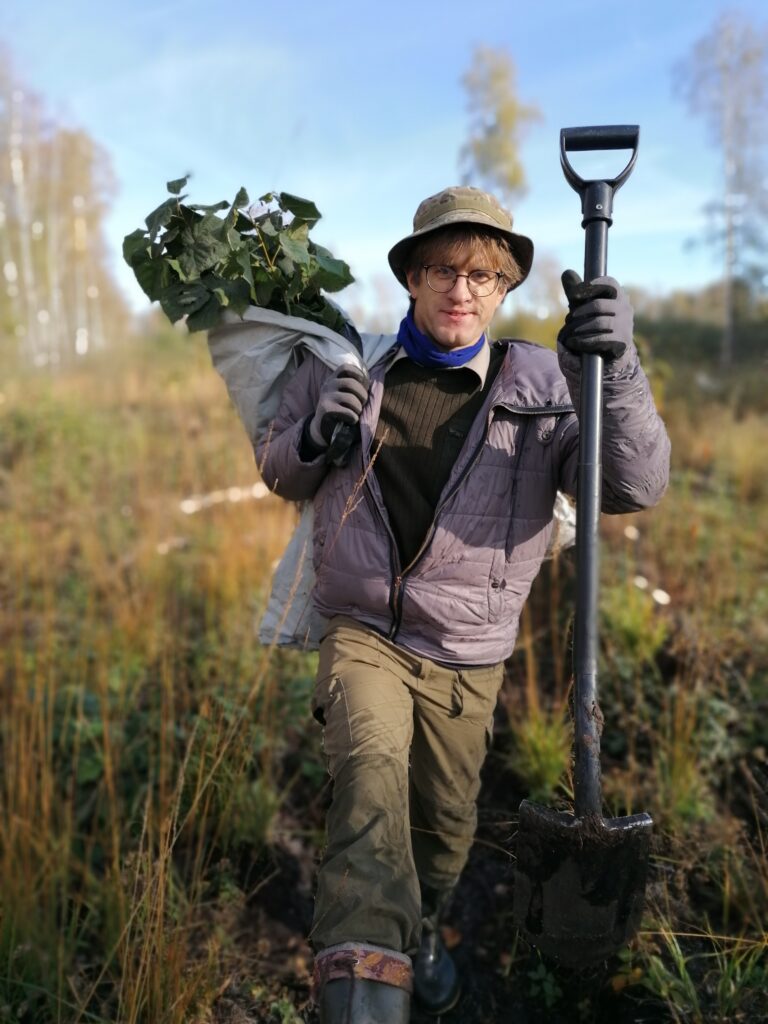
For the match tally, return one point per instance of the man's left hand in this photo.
(600, 318)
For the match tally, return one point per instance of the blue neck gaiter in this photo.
(422, 350)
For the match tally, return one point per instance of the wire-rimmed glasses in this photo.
(480, 282)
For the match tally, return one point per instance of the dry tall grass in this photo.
(133, 684)
(143, 728)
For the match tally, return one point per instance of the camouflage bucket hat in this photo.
(462, 204)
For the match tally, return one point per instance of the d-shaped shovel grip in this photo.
(613, 136)
(597, 195)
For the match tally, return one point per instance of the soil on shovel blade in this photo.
(503, 979)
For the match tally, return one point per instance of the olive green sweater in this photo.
(425, 417)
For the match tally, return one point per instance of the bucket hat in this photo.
(462, 204)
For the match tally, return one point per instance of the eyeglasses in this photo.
(479, 282)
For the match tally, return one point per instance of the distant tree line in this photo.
(688, 326)
(57, 296)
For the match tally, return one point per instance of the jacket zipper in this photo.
(394, 558)
(399, 582)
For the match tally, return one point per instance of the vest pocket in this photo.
(545, 429)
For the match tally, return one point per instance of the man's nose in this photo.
(460, 288)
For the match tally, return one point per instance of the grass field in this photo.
(162, 794)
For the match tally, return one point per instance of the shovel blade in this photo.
(580, 882)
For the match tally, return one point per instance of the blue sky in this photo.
(360, 108)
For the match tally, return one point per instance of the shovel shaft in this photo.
(596, 224)
(587, 722)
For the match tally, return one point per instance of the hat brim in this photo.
(520, 246)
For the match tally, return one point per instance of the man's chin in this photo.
(452, 341)
(450, 336)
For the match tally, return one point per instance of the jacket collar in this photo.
(478, 364)
(530, 380)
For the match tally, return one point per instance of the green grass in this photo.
(141, 731)
(149, 742)
(684, 693)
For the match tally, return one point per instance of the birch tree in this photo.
(498, 121)
(724, 80)
(56, 287)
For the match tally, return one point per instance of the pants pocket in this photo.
(475, 692)
(328, 702)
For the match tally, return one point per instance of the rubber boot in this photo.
(360, 1001)
(436, 982)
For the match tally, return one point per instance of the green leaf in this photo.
(294, 249)
(235, 294)
(177, 184)
(331, 317)
(267, 226)
(183, 298)
(176, 268)
(154, 276)
(208, 316)
(135, 245)
(241, 199)
(242, 259)
(241, 301)
(298, 230)
(161, 216)
(211, 208)
(261, 274)
(188, 266)
(164, 244)
(243, 222)
(262, 293)
(201, 248)
(187, 217)
(288, 270)
(305, 209)
(235, 219)
(331, 274)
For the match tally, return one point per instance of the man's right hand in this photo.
(342, 398)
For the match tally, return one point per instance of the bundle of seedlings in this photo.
(198, 264)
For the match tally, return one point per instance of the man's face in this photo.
(456, 318)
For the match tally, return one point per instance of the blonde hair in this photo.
(451, 245)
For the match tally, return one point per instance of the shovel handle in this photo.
(595, 139)
(597, 195)
(597, 216)
(609, 136)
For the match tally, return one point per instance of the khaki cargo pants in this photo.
(404, 739)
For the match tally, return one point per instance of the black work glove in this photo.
(341, 400)
(600, 318)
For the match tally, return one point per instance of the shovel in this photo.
(580, 878)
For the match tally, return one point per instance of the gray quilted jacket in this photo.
(459, 602)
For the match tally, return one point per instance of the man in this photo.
(425, 547)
